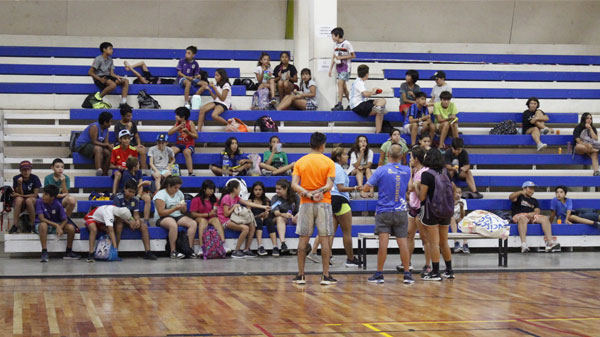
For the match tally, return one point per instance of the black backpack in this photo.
(6, 197)
(73, 141)
(146, 101)
(265, 124)
(87, 102)
(386, 127)
(247, 82)
(182, 245)
(507, 127)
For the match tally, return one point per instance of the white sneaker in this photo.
(227, 249)
(524, 248)
(541, 146)
(188, 105)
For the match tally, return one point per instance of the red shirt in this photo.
(184, 138)
(119, 155)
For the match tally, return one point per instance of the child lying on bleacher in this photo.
(562, 210)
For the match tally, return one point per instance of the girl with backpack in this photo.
(221, 94)
(231, 205)
(203, 209)
(437, 197)
(361, 160)
(417, 168)
(257, 196)
(303, 99)
(285, 206)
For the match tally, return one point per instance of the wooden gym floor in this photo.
(473, 304)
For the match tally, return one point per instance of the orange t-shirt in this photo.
(313, 170)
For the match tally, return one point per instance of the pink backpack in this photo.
(212, 247)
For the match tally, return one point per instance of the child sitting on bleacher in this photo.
(203, 209)
(418, 120)
(221, 94)
(562, 209)
(186, 137)
(425, 142)
(395, 138)
(460, 206)
(445, 117)
(237, 161)
(585, 139)
(408, 91)
(285, 205)
(257, 196)
(264, 73)
(128, 199)
(93, 143)
(533, 122)
(343, 52)
(188, 74)
(459, 168)
(285, 77)
(134, 174)
(103, 73)
(361, 160)
(52, 219)
(275, 161)
(103, 219)
(25, 186)
(161, 158)
(63, 182)
(118, 159)
(127, 124)
(360, 102)
(303, 99)
(439, 87)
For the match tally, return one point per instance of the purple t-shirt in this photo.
(188, 68)
(53, 212)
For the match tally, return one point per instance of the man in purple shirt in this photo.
(51, 218)
(188, 74)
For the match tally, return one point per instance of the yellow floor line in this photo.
(375, 329)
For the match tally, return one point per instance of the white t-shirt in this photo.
(105, 215)
(354, 157)
(343, 49)
(170, 201)
(306, 90)
(259, 70)
(356, 97)
(437, 90)
(219, 90)
(160, 158)
(457, 208)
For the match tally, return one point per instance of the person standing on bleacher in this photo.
(103, 73)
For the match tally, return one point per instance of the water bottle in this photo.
(226, 164)
(455, 164)
(569, 147)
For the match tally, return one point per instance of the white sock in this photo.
(123, 100)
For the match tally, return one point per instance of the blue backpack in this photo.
(441, 205)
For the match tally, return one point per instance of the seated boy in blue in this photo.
(25, 187)
(418, 120)
(128, 199)
(133, 173)
(51, 218)
(562, 209)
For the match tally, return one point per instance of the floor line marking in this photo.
(377, 330)
(17, 314)
(563, 319)
(263, 330)
(551, 328)
(51, 314)
(91, 309)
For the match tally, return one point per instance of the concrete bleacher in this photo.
(39, 126)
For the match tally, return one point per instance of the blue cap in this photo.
(528, 184)
(161, 137)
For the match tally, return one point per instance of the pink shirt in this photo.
(413, 198)
(229, 201)
(201, 206)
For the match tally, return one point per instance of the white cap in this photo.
(122, 212)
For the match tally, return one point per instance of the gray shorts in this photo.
(86, 150)
(311, 214)
(394, 223)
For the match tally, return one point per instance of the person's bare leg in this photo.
(522, 225)
(443, 133)
(404, 253)
(546, 227)
(43, 230)
(189, 164)
(124, 87)
(345, 221)
(285, 103)
(202, 114)
(283, 169)
(382, 251)
(325, 254)
(535, 134)
(434, 241)
(410, 237)
(578, 219)
(216, 114)
(116, 179)
(444, 247)
(18, 206)
(186, 90)
(110, 86)
(105, 160)
(468, 177)
(424, 241)
(414, 132)
(250, 236)
(302, 244)
(454, 128)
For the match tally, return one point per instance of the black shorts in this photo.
(165, 217)
(268, 222)
(364, 109)
(225, 108)
(429, 220)
(337, 202)
(102, 85)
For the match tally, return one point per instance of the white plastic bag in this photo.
(486, 224)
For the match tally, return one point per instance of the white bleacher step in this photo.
(388, 84)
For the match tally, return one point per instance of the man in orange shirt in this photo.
(313, 179)
(119, 156)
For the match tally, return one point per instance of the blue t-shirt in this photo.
(392, 180)
(127, 176)
(560, 208)
(234, 160)
(340, 178)
(54, 211)
(28, 185)
(415, 113)
(85, 138)
(133, 204)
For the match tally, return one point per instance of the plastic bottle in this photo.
(226, 164)
(559, 150)
(455, 164)
(559, 221)
(569, 147)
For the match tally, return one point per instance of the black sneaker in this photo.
(408, 278)
(352, 263)
(177, 255)
(45, 257)
(327, 280)
(71, 256)
(249, 253)
(400, 268)
(275, 251)
(150, 256)
(299, 279)
(432, 277)
(262, 251)
(13, 229)
(449, 274)
(238, 254)
(90, 258)
(338, 107)
(376, 278)
(284, 248)
(348, 108)
(426, 270)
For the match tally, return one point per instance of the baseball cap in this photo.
(161, 137)
(25, 165)
(528, 184)
(438, 74)
(124, 133)
(122, 212)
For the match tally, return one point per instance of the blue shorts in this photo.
(195, 82)
(182, 147)
(344, 76)
(36, 228)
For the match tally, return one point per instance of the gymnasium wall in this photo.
(430, 21)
